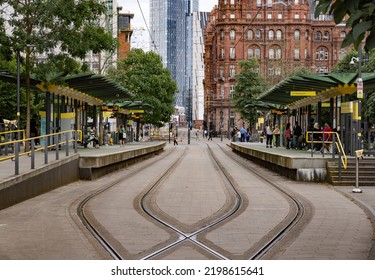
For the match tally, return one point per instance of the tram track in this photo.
(183, 236)
(296, 215)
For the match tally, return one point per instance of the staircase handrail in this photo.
(337, 143)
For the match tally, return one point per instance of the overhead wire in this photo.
(148, 29)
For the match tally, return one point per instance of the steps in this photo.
(366, 172)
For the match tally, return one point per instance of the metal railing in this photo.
(12, 149)
(328, 141)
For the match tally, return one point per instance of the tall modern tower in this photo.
(171, 24)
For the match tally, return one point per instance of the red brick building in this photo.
(125, 32)
(281, 36)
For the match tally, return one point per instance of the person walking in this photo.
(210, 135)
(175, 142)
(297, 132)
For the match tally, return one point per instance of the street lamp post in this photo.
(221, 117)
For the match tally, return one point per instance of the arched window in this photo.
(278, 53)
(258, 34)
(250, 53)
(257, 52)
(326, 36)
(232, 34)
(271, 53)
(296, 34)
(250, 34)
(271, 34)
(321, 54)
(279, 34)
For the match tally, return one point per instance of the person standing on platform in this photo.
(269, 135)
(288, 135)
(297, 132)
(243, 134)
(276, 132)
(121, 135)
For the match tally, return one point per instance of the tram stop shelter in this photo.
(306, 95)
(73, 95)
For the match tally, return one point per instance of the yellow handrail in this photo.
(40, 137)
(338, 143)
(13, 131)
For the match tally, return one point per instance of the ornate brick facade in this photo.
(282, 38)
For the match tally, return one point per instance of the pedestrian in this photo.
(121, 135)
(327, 137)
(297, 132)
(276, 132)
(269, 135)
(243, 134)
(175, 142)
(288, 135)
(197, 135)
(210, 135)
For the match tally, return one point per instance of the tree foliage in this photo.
(144, 75)
(249, 85)
(360, 18)
(72, 26)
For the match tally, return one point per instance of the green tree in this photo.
(144, 75)
(41, 26)
(249, 85)
(360, 18)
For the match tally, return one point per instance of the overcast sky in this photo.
(140, 37)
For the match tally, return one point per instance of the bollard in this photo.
(359, 154)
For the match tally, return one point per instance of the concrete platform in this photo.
(87, 164)
(298, 165)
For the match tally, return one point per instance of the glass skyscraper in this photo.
(171, 25)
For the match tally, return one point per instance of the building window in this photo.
(259, 3)
(271, 34)
(232, 71)
(269, 16)
(271, 71)
(280, 16)
(342, 34)
(342, 54)
(232, 53)
(318, 36)
(296, 16)
(326, 36)
(221, 72)
(296, 34)
(307, 35)
(258, 34)
(306, 53)
(296, 53)
(222, 35)
(257, 52)
(279, 35)
(296, 2)
(232, 2)
(278, 71)
(250, 34)
(223, 53)
(250, 53)
(321, 54)
(232, 16)
(321, 69)
(232, 34)
(278, 53)
(271, 53)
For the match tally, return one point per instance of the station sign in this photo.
(347, 107)
(279, 111)
(303, 93)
